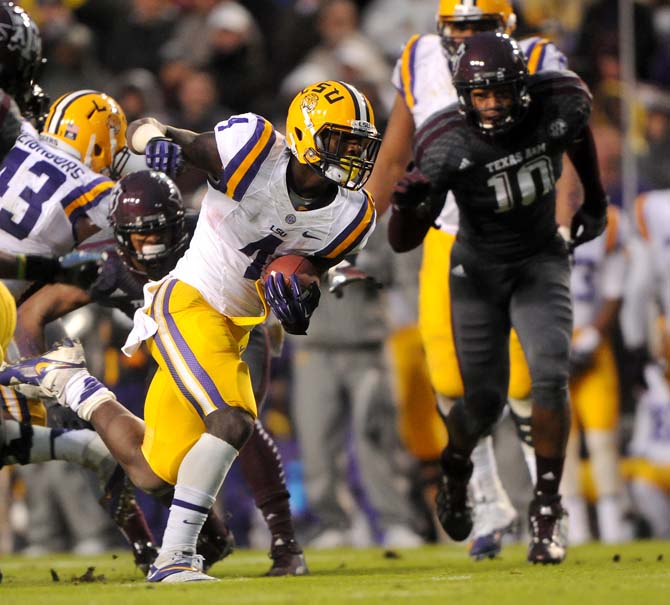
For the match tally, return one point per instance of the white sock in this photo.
(82, 446)
(578, 519)
(486, 484)
(612, 525)
(84, 393)
(529, 456)
(199, 480)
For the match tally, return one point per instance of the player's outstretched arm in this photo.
(412, 213)
(394, 156)
(166, 147)
(46, 305)
(590, 220)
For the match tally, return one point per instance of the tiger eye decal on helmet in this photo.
(331, 127)
(91, 126)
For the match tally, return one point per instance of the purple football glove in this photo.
(164, 155)
(291, 303)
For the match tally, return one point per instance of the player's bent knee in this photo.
(483, 408)
(233, 425)
(551, 396)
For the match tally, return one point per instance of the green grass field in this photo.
(636, 573)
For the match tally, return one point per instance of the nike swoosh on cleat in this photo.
(308, 235)
(189, 522)
(40, 366)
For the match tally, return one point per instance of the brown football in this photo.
(293, 263)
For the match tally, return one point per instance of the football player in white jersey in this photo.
(597, 284)
(646, 300)
(649, 448)
(267, 196)
(423, 84)
(55, 185)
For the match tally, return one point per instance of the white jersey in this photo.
(651, 434)
(421, 76)
(649, 283)
(599, 270)
(247, 219)
(43, 191)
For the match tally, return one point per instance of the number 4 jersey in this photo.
(505, 185)
(247, 219)
(43, 191)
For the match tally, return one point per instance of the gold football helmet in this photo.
(331, 127)
(479, 15)
(91, 126)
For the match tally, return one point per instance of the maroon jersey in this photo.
(504, 185)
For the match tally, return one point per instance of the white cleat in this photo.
(176, 566)
(46, 375)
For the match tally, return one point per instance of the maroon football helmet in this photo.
(20, 56)
(148, 202)
(488, 60)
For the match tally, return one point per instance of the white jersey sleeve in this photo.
(244, 142)
(651, 433)
(616, 261)
(600, 268)
(542, 55)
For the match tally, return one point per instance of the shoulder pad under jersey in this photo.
(243, 142)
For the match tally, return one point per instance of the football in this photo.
(293, 263)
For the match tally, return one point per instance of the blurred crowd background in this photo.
(192, 63)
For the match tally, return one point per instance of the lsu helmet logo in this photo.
(309, 102)
(114, 123)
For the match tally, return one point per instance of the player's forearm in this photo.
(584, 157)
(200, 150)
(607, 316)
(47, 304)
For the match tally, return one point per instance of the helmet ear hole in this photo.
(97, 150)
(298, 133)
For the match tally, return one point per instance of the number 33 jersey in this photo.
(247, 219)
(504, 185)
(43, 191)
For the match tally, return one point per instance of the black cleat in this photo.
(452, 503)
(287, 558)
(548, 530)
(215, 542)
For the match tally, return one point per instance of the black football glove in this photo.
(80, 268)
(411, 190)
(586, 226)
(291, 303)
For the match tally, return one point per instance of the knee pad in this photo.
(551, 396)
(521, 411)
